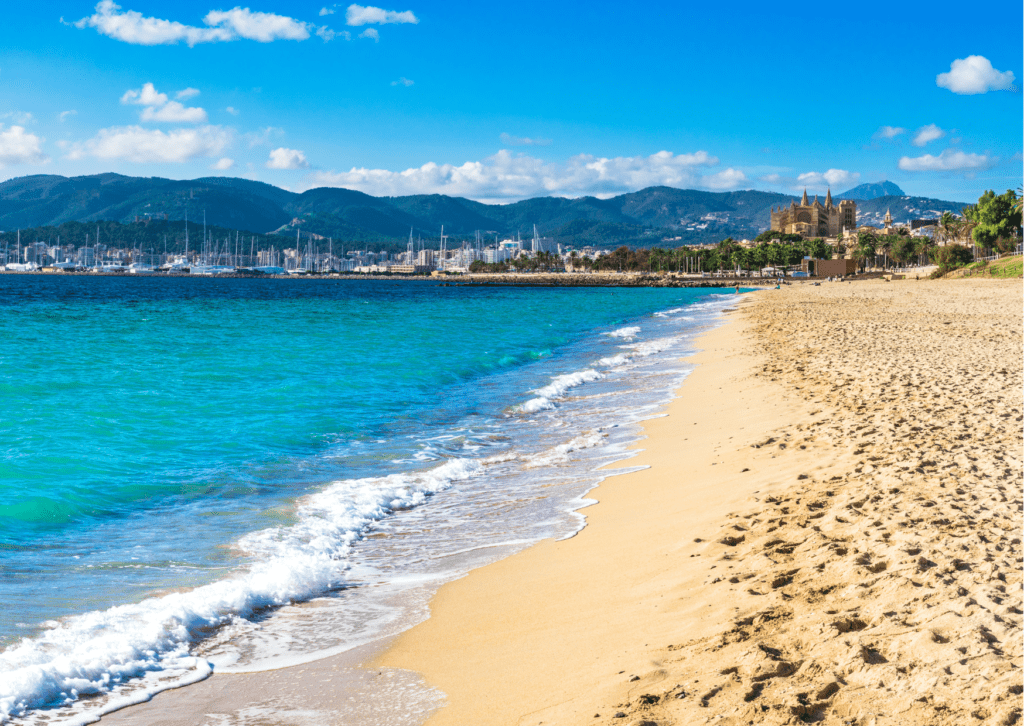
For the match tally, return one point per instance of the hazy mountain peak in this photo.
(872, 191)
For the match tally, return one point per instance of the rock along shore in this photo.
(551, 279)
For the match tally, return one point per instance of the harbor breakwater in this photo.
(544, 279)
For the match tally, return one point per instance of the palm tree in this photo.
(944, 231)
(903, 248)
(965, 228)
(925, 244)
(885, 247)
(867, 243)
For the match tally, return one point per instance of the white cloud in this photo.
(263, 136)
(926, 134)
(726, 179)
(159, 108)
(222, 26)
(326, 11)
(21, 118)
(232, 110)
(831, 178)
(262, 27)
(146, 96)
(360, 15)
(974, 74)
(327, 34)
(174, 112)
(133, 27)
(889, 132)
(370, 33)
(186, 93)
(511, 140)
(837, 178)
(506, 177)
(65, 115)
(222, 164)
(283, 158)
(18, 146)
(403, 81)
(948, 160)
(139, 145)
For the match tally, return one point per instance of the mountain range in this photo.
(645, 217)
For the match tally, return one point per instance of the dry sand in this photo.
(829, 531)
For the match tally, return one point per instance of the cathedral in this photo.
(814, 219)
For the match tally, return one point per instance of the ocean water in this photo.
(232, 475)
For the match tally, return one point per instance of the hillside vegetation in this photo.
(1006, 267)
(648, 217)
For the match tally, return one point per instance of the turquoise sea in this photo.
(183, 459)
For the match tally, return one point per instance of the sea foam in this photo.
(560, 454)
(630, 332)
(557, 388)
(97, 651)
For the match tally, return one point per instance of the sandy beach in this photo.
(829, 531)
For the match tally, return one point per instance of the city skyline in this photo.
(499, 106)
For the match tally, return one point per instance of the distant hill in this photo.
(656, 215)
(872, 191)
(50, 200)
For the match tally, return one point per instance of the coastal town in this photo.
(812, 238)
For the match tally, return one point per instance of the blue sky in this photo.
(502, 102)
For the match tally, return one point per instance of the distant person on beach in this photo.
(737, 289)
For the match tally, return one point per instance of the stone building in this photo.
(814, 219)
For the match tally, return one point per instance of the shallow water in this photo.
(237, 474)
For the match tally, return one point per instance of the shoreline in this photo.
(755, 572)
(768, 580)
(538, 606)
(230, 692)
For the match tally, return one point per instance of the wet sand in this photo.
(829, 531)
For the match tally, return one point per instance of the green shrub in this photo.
(1006, 245)
(951, 256)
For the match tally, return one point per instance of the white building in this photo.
(493, 256)
(86, 256)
